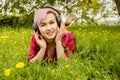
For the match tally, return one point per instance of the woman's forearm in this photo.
(60, 50)
(39, 56)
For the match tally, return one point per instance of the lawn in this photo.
(97, 55)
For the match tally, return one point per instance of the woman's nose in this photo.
(49, 27)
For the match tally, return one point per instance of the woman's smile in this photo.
(50, 33)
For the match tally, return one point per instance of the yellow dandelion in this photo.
(83, 35)
(7, 72)
(20, 65)
(79, 29)
(13, 31)
(67, 66)
(4, 37)
(53, 71)
(24, 32)
(91, 33)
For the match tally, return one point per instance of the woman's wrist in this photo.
(58, 42)
(43, 48)
(60, 50)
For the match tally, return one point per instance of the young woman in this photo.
(51, 41)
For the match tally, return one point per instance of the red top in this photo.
(68, 42)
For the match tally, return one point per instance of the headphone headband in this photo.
(53, 9)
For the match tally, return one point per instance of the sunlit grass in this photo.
(96, 57)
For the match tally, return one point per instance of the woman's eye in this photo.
(42, 25)
(52, 22)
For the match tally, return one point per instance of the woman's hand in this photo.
(59, 47)
(40, 40)
(60, 32)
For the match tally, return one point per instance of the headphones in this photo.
(58, 19)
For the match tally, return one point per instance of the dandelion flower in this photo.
(79, 29)
(4, 37)
(53, 71)
(24, 32)
(67, 66)
(20, 65)
(7, 72)
(83, 35)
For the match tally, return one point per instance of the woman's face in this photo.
(48, 27)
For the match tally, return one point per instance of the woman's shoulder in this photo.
(67, 34)
(33, 42)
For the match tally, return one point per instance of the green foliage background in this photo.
(26, 8)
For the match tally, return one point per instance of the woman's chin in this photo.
(50, 37)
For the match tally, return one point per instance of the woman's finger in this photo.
(41, 37)
(36, 35)
(62, 27)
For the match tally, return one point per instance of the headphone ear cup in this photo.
(36, 28)
(58, 19)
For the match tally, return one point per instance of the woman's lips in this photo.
(49, 33)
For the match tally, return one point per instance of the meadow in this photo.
(97, 55)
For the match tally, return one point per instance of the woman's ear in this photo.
(36, 29)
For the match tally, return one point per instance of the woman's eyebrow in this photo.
(52, 20)
(43, 22)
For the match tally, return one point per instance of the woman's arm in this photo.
(42, 44)
(65, 43)
(58, 40)
(39, 56)
(60, 50)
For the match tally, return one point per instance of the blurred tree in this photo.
(28, 6)
(118, 5)
(83, 8)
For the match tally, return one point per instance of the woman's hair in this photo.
(42, 12)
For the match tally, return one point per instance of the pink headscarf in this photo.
(41, 13)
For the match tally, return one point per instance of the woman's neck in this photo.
(50, 42)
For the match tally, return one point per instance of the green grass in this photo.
(96, 57)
